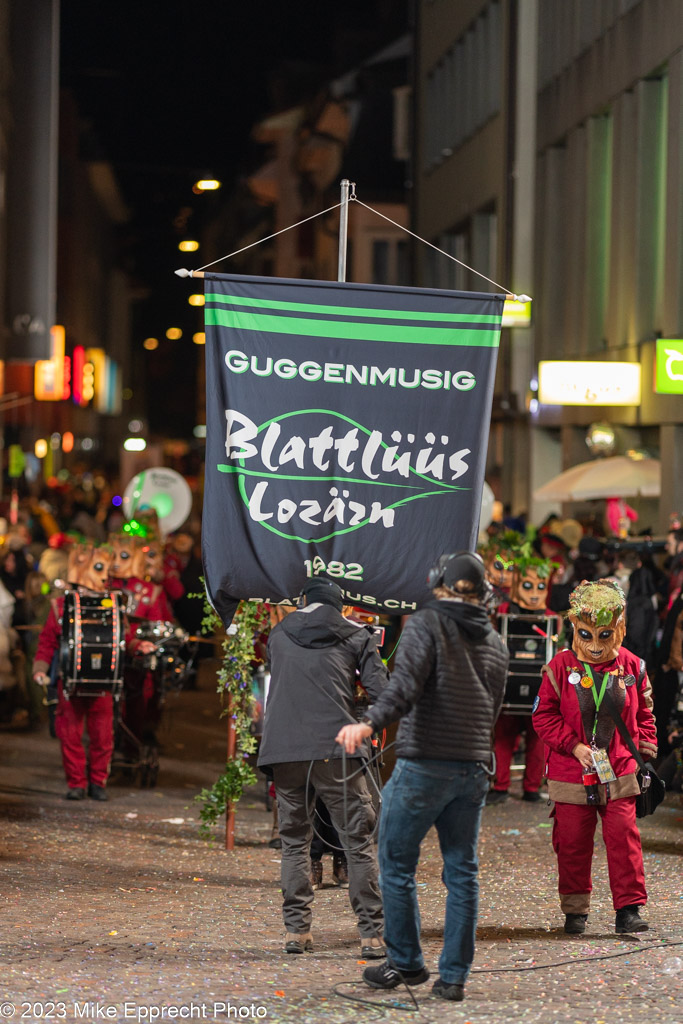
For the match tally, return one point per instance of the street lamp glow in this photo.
(196, 300)
(188, 246)
(206, 185)
(135, 444)
(150, 344)
(173, 333)
(40, 448)
(199, 338)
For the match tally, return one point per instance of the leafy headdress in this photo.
(599, 602)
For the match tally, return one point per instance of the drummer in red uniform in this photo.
(145, 599)
(530, 582)
(85, 777)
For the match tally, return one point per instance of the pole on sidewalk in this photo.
(230, 808)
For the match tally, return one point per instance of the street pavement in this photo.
(119, 911)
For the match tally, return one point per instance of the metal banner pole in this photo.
(343, 229)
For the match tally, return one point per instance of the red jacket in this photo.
(563, 710)
(48, 641)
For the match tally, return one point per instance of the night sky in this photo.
(169, 92)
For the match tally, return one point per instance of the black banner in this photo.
(347, 428)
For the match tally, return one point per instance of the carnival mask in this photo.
(79, 556)
(153, 566)
(598, 644)
(94, 574)
(597, 613)
(529, 590)
(127, 557)
(500, 570)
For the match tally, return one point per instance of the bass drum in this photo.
(93, 644)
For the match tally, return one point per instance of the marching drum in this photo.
(172, 659)
(531, 641)
(92, 644)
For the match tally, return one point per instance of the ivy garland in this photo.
(235, 688)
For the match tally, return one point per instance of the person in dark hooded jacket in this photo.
(447, 688)
(315, 657)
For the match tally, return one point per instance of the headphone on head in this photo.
(435, 577)
(310, 584)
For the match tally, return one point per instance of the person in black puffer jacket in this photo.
(447, 689)
(315, 655)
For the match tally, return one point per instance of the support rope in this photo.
(268, 237)
(353, 198)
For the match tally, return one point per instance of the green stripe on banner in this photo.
(351, 331)
(382, 314)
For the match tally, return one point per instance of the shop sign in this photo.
(574, 382)
(669, 366)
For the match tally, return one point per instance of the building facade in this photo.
(549, 157)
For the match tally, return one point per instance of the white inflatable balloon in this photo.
(163, 490)
(486, 515)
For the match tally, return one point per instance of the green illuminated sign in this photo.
(669, 366)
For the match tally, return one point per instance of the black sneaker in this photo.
(497, 796)
(75, 794)
(386, 976)
(575, 924)
(629, 921)
(298, 943)
(532, 796)
(455, 992)
(97, 792)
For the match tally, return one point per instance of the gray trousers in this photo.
(354, 825)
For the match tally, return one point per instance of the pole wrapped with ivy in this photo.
(235, 687)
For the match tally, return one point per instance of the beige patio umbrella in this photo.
(616, 477)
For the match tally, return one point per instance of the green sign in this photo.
(17, 461)
(669, 366)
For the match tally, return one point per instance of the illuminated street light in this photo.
(173, 333)
(196, 300)
(188, 246)
(150, 344)
(199, 338)
(40, 448)
(206, 185)
(135, 444)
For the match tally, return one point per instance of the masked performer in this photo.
(528, 597)
(145, 599)
(591, 773)
(94, 710)
(499, 563)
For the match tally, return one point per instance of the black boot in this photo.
(575, 924)
(628, 920)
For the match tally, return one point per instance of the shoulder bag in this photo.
(652, 788)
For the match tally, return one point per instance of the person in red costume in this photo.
(584, 748)
(618, 514)
(94, 711)
(145, 599)
(529, 593)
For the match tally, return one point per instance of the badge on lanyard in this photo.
(574, 677)
(603, 768)
(586, 682)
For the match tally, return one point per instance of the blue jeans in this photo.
(419, 794)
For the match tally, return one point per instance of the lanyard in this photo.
(597, 697)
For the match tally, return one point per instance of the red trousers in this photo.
(573, 835)
(70, 717)
(508, 728)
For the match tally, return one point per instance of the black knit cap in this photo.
(323, 591)
(464, 566)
